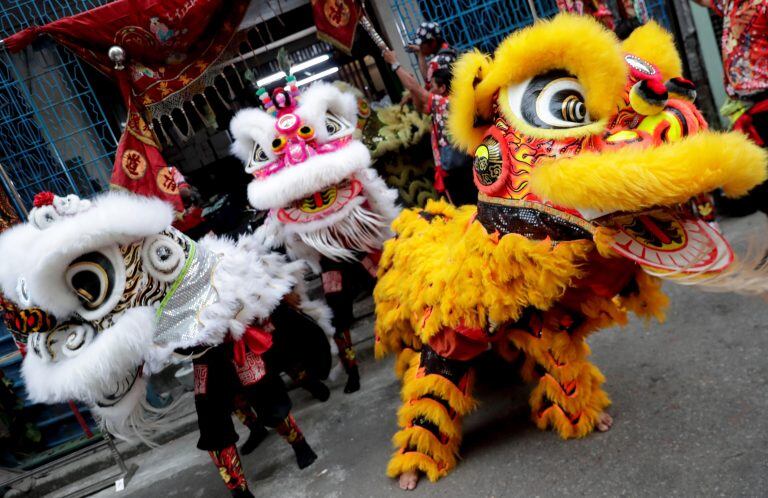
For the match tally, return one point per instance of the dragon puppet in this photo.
(325, 202)
(105, 291)
(586, 153)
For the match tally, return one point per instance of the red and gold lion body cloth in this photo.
(586, 163)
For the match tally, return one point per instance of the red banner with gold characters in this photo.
(168, 46)
(8, 215)
(336, 21)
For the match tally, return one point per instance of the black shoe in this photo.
(353, 381)
(241, 493)
(318, 390)
(254, 440)
(304, 454)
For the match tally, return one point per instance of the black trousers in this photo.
(342, 282)
(218, 379)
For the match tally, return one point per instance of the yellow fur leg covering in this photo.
(405, 361)
(568, 396)
(430, 421)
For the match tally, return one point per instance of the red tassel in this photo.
(256, 339)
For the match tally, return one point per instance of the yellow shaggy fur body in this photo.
(449, 272)
(445, 270)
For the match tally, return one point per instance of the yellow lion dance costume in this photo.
(586, 151)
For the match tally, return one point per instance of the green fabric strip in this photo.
(177, 282)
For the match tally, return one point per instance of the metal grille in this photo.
(483, 24)
(469, 23)
(55, 134)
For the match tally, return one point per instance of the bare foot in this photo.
(409, 480)
(604, 422)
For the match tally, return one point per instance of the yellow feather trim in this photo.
(438, 386)
(405, 462)
(650, 301)
(451, 272)
(423, 441)
(634, 178)
(467, 71)
(404, 362)
(433, 411)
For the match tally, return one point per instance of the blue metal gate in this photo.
(54, 132)
(53, 136)
(483, 24)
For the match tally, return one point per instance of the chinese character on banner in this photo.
(336, 21)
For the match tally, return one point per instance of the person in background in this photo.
(453, 168)
(744, 47)
(432, 51)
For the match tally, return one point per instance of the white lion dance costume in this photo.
(326, 204)
(128, 291)
(586, 151)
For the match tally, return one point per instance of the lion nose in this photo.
(297, 151)
(648, 97)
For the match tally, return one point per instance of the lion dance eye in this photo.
(332, 125)
(306, 132)
(279, 144)
(259, 156)
(552, 100)
(92, 278)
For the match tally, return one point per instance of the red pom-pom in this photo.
(44, 199)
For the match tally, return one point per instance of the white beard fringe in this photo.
(360, 230)
(748, 274)
(134, 419)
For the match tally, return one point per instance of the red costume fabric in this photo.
(168, 45)
(744, 45)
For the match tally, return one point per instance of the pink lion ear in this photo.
(43, 199)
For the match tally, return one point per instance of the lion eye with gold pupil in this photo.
(278, 144)
(332, 125)
(92, 278)
(306, 132)
(259, 156)
(551, 100)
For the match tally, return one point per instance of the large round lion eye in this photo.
(336, 127)
(92, 278)
(551, 100)
(163, 257)
(259, 156)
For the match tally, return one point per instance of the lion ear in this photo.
(656, 45)
(465, 111)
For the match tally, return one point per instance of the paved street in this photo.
(690, 402)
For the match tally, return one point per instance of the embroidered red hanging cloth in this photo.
(168, 45)
(336, 21)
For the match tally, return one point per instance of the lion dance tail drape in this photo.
(169, 45)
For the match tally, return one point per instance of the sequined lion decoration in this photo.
(585, 157)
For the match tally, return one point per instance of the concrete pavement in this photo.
(690, 399)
